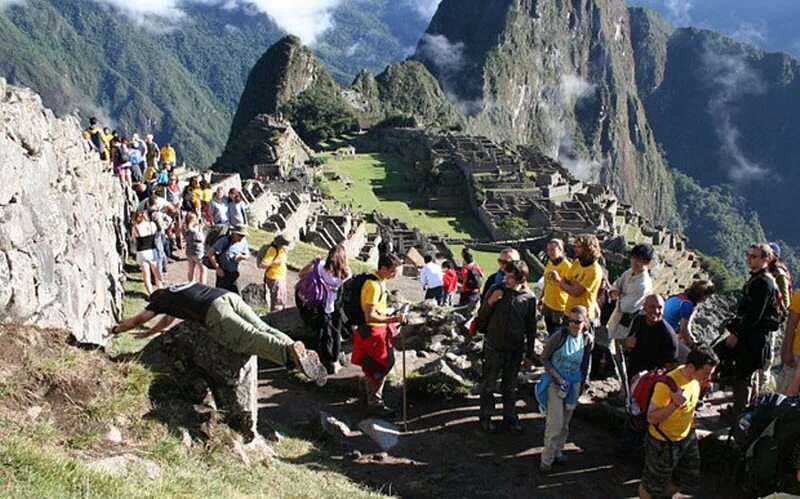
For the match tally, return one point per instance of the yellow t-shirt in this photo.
(277, 269)
(150, 174)
(553, 296)
(206, 195)
(168, 154)
(794, 306)
(590, 278)
(678, 425)
(374, 293)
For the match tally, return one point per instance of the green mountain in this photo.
(183, 82)
(724, 112)
(556, 75)
(288, 79)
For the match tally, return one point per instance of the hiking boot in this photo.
(560, 459)
(381, 411)
(488, 426)
(545, 469)
(307, 361)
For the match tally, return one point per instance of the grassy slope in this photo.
(379, 183)
(47, 457)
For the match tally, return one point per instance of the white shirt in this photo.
(633, 289)
(431, 275)
(333, 283)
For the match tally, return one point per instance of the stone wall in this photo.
(62, 225)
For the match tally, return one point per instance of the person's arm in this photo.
(573, 289)
(547, 354)
(530, 330)
(423, 277)
(373, 316)
(586, 362)
(663, 405)
(670, 360)
(137, 320)
(214, 256)
(758, 294)
(157, 327)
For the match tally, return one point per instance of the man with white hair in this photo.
(507, 255)
(153, 154)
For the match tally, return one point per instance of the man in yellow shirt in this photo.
(554, 298)
(790, 351)
(672, 455)
(274, 263)
(584, 277)
(373, 341)
(168, 155)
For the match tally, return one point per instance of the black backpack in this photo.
(474, 279)
(348, 300)
(764, 437)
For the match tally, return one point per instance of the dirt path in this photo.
(443, 454)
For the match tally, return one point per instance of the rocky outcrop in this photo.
(61, 223)
(267, 147)
(556, 75)
(231, 377)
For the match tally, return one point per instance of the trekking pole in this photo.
(403, 310)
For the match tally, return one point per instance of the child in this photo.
(449, 282)
(195, 248)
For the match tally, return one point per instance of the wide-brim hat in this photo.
(280, 241)
(240, 229)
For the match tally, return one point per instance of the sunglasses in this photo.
(573, 321)
(500, 260)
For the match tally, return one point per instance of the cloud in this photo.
(753, 33)
(424, 8)
(731, 79)
(352, 49)
(575, 88)
(8, 3)
(447, 57)
(679, 11)
(307, 19)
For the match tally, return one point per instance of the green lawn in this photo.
(380, 183)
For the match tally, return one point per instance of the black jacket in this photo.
(757, 312)
(510, 325)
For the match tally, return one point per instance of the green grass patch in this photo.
(380, 183)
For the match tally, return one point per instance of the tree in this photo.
(514, 227)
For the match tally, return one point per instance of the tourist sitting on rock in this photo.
(144, 233)
(373, 341)
(582, 282)
(219, 207)
(507, 255)
(508, 316)
(237, 209)
(672, 454)
(679, 310)
(195, 249)
(566, 358)
(554, 298)
(652, 342)
(470, 275)
(629, 291)
(431, 276)
(449, 282)
(274, 265)
(229, 320)
(225, 256)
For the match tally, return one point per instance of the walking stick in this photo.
(403, 309)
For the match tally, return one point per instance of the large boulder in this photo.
(62, 231)
(232, 377)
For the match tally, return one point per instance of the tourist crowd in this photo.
(648, 337)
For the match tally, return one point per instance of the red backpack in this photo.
(642, 387)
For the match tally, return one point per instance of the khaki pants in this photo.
(234, 324)
(276, 293)
(556, 427)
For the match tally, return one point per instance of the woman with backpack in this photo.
(144, 233)
(274, 265)
(331, 273)
(566, 359)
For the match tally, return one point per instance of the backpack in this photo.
(763, 439)
(311, 289)
(215, 233)
(642, 387)
(474, 279)
(262, 252)
(349, 298)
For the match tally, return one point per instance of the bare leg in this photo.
(156, 274)
(190, 272)
(148, 287)
(201, 270)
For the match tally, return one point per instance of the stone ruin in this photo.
(409, 243)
